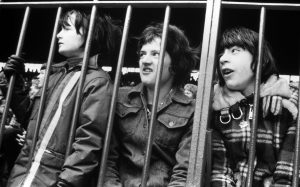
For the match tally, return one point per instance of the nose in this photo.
(58, 36)
(224, 57)
(146, 59)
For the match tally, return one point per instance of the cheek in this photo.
(168, 64)
(79, 41)
(82, 42)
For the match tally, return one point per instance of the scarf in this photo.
(276, 94)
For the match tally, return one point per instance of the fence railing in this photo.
(200, 152)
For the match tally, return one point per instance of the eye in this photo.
(65, 27)
(235, 50)
(141, 54)
(155, 53)
(220, 54)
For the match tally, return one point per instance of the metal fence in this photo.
(199, 162)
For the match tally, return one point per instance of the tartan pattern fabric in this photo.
(274, 146)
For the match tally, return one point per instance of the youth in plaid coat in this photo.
(233, 110)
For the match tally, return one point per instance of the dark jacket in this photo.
(81, 165)
(171, 146)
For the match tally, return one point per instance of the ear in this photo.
(171, 70)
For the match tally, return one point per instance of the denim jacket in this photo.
(171, 146)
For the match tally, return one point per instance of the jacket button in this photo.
(171, 123)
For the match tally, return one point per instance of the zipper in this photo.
(250, 115)
(247, 117)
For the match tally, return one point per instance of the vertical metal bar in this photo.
(297, 145)
(256, 99)
(114, 97)
(13, 77)
(196, 171)
(81, 80)
(45, 84)
(156, 96)
(208, 158)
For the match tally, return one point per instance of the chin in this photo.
(61, 52)
(149, 85)
(232, 87)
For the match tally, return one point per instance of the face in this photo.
(235, 67)
(41, 78)
(69, 41)
(148, 62)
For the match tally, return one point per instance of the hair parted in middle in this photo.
(106, 35)
(248, 40)
(183, 57)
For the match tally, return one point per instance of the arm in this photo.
(112, 177)
(81, 166)
(222, 175)
(283, 174)
(284, 167)
(180, 169)
(20, 102)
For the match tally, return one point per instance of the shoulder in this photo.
(182, 105)
(181, 98)
(97, 76)
(124, 92)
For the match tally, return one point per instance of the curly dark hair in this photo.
(183, 57)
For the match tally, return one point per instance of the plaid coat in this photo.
(274, 145)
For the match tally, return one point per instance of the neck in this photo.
(164, 90)
(249, 90)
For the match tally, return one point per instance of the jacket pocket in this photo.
(53, 159)
(129, 118)
(50, 168)
(170, 129)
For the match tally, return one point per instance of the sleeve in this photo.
(82, 165)
(222, 174)
(20, 102)
(283, 173)
(284, 168)
(112, 176)
(179, 173)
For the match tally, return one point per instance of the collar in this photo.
(274, 86)
(72, 63)
(177, 94)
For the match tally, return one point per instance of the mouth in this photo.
(147, 70)
(226, 72)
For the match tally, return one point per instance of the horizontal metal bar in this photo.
(106, 4)
(154, 4)
(151, 4)
(254, 5)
